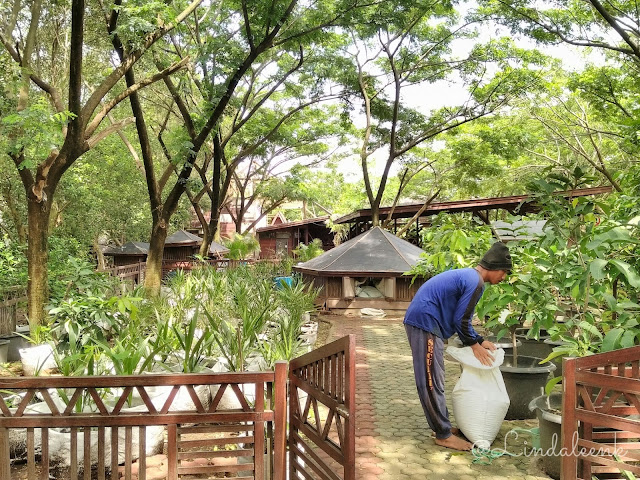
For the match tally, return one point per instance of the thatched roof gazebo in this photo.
(365, 272)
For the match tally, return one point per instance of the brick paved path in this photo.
(393, 440)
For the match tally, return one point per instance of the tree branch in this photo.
(133, 88)
(114, 127)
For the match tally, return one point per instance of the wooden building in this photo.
(180, 250)
(281, 239)
(128, 254)
(365, 272)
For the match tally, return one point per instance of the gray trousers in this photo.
(427, 350)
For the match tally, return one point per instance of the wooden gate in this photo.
(322, 413)
(601, 407)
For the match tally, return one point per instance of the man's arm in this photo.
(464, 312)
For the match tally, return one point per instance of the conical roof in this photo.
(129, 248)
(376, 251)
(182, 237)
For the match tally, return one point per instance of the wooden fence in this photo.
(133, 273)
(9, 310)
(601, 416)
(216, 424)
(221, 424)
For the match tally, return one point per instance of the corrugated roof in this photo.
(523, 203)
(518, 229)
(129, 248)
(299, 223)
(376, 251)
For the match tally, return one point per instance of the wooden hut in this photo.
(281, 239)
(181, 248)
(365, 272)
(179, 252)
(128, 254)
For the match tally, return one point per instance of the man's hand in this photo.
(482, 352)
(489, 345)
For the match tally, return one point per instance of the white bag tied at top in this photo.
(480, 399)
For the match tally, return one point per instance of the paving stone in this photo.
(390, 421)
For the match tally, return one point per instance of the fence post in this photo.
(280, 421)
(569, 461)
(5, 455)
(349, 449)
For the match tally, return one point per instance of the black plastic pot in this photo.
(532, 347)
(524, 383)
(504, 343)
(548, 409)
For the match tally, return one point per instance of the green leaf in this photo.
(629, 338)
(552, 383)
(556, 353)
(611, 339)
(592, 329)
(597, 269)
(628, 271)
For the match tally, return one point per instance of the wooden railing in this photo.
(238, 420)
(128, 273)
(600, 415)
(322, 413)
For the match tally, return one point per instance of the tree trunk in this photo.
(99, 256)
(206, 242)
(210, 231)
(153, 274)
(37, 257)
(375, 214)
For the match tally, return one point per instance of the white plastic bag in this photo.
(480, 399)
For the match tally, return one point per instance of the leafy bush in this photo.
(451, 242)
(579, 280)
(242, 247)
(305, 253)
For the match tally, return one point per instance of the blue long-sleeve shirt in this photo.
(444, 305)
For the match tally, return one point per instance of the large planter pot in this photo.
(524, 383)
(16, 342)
(548, 410)
(532, 347)
(37, 359)
(4, 350)
(504, 343)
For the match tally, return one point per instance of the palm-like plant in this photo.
(242, 246)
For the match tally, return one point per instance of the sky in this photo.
(439, 94)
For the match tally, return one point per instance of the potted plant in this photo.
(595, 265)
(523, 300)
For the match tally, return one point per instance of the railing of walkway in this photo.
(322, 413)
(601, 415)
(216, 424)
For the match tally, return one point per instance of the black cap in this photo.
(497, 258)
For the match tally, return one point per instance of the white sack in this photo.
(480, 399)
